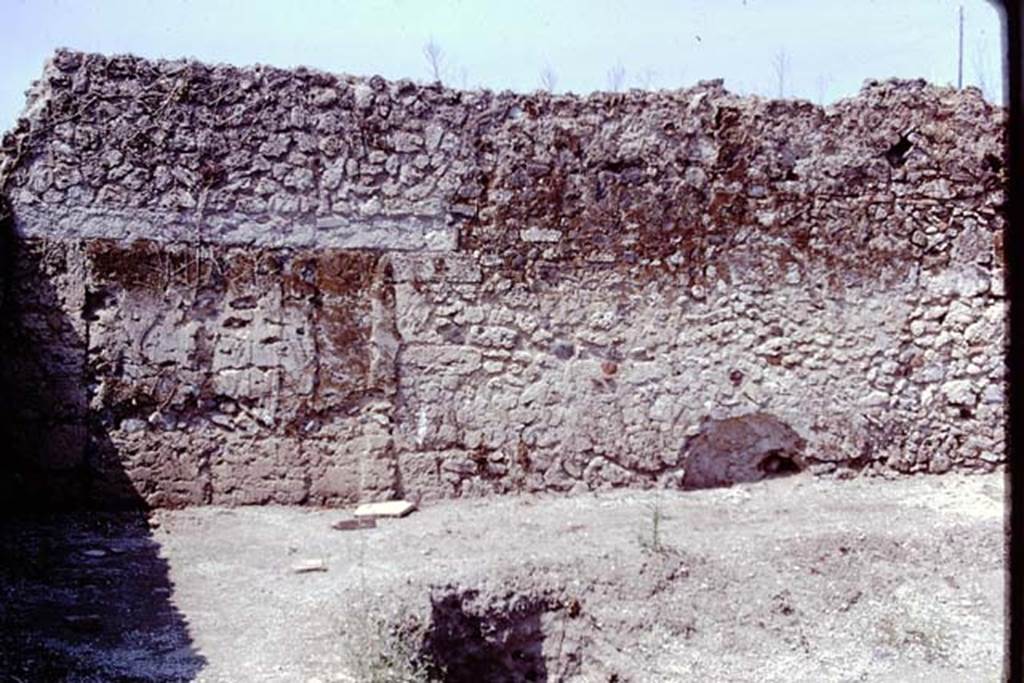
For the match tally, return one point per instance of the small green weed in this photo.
(389, 651)
(903, 631)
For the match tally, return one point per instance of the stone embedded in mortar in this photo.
(960, 392)
(540, 235)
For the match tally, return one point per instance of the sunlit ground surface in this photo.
(783, 580)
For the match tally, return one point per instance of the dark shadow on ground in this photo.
(84, 595)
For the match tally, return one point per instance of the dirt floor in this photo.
(795, 579)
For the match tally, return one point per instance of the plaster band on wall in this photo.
(379, 233)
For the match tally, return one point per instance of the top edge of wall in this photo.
(123, 66)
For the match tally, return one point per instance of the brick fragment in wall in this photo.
(354, 291)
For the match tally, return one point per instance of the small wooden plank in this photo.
(391, 508)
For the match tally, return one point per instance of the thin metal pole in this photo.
(960, 53)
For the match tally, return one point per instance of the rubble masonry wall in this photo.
(250, 285)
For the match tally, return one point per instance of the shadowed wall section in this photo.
(82, 596)
(189, 375)
(296, 287)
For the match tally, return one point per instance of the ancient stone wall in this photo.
(253, 285)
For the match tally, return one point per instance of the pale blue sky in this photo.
(831, 46)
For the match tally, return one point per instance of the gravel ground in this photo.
(794, 579)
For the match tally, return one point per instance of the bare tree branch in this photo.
(980, 68)
(821, 84)
(645, 80)
(435, 59)
(780, 64)
(616, 77)
(548, 79)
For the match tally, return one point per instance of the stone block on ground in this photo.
(390, 508)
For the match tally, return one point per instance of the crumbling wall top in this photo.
(125, 147)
